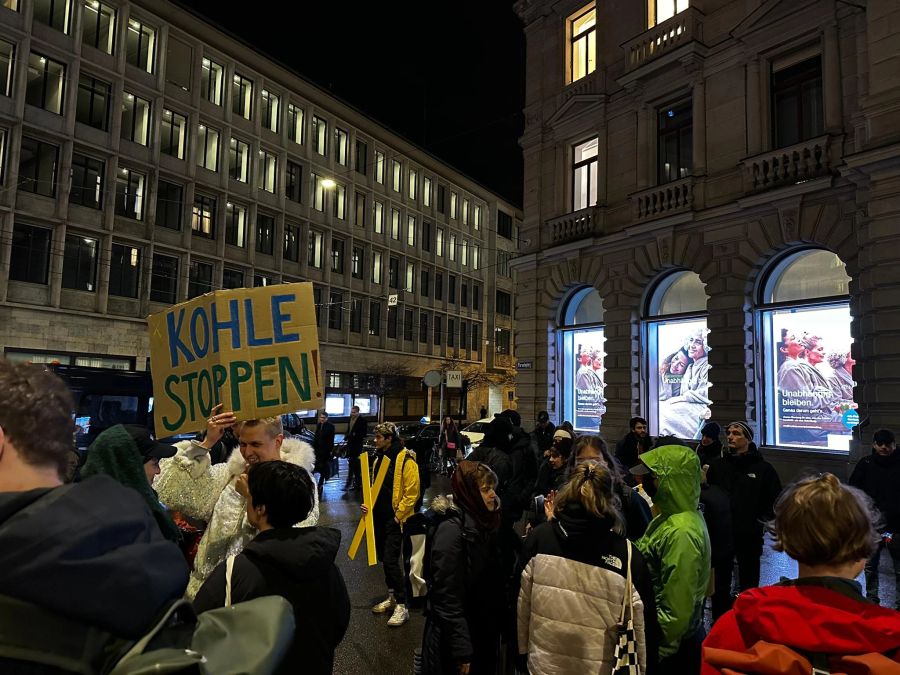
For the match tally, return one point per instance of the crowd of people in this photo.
(551, 554)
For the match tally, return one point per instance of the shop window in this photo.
(807, 381)
(580, 339)
(677, 378)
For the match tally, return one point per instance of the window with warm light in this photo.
(584, 175)
(140, 43)
(271, 110)
(173, 134)
(661, 10)
(395, 224)
(582, 43)
(238, 160)
(46, 80)
(378, 217)
(98, 25)
(241, 96)
(203, 216)
(267, 171)
(379, 167)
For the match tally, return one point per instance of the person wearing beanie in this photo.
(393, 505)
(543, 432)
(710, 447)
(552, 474)
(752, 485)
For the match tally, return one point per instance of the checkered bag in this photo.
(626, 654)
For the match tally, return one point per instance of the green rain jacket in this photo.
(676, 545)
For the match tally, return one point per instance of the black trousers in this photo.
(354, 470)
(721, 599)
(748, 551)
(389, 543)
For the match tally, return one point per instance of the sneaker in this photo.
(399, 617)
(385, 605)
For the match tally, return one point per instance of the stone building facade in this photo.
(148, 157)
(791, 146)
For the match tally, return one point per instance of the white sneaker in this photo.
(385, 605)
(399, 617)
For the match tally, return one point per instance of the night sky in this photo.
(446, 74)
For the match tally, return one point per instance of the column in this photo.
(831, 66)
(699, 126)
(643, 151)
(754, 123)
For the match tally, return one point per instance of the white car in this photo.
(476, 432)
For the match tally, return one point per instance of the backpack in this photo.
(36, 640)
(766, 658)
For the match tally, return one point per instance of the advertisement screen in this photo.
(682, 377)
(585, 355)
(812, 372)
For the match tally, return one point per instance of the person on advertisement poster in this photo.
(841, 379)
(684, 414)
(807, 400)
(588, 390)
(671, 372)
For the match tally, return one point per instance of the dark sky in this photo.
(446, 74)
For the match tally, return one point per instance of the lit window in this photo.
(267, 172)
(98, 25)
(235, 225)
(465, 211)
(211, 81)
(173, 133)
(241, 96)
(452, 253)
(318, 192)
(808, 367)
(295, 123)
(379, 167)
(271, 110)
(395, 224)
(378, 217)
(477, 218)
(238, 160)
(340, 146)
(411, 230)
(396, 172)
(135, 119)
(340, 201)
(660, 10)
(426, 191)
(140, 45)
(314, 252)
(376, 267)
(413, 184)
(208, 147)
(439, 242)
(320, 135)
(453, 204)
(476, 257)
(54, 13)
(583, 44)
(584, 175)
(203, 216)
(464, 257)
(46, 80)
(678, 365)
(7, 61)
(410, 278)
(580, 341)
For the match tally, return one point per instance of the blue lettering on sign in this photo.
(850, 419)
(252, 340)
(279, 318)
(175, 343)
(200, 313)
(234, 324)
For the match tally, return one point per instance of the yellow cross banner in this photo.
(370, 493)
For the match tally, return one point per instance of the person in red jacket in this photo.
(821, 619)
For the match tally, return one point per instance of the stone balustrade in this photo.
(664, 200)
(790, 165)
(574, 225)
(679, 30)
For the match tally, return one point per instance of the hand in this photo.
(464, 668)
(548, 504)
(243, 489)
(216, 425)
(364, 509)
(528, 529)
(396, 520)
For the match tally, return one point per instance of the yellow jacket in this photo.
(406, 485)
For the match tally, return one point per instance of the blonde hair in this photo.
(819, 520)
(273, 425)
(591, 485)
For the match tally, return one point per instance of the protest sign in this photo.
(255, 350)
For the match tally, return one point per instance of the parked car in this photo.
(476, 432)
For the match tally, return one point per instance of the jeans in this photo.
(872, 571)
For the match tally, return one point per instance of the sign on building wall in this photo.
(588, 381)
(812, 377)
(680, 350)
(454, 378)
(254, 350)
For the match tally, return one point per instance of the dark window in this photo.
(426, 235)
(179, 63)
(232, 278)
(203, 216)
(336, 310)
(87, 182)
(425, 284)
(451, 332)
(439, 286)
(797, 103)
(392, 320)
(140, 45)
(260, 280)
(362, 157)
(173, 133)
(464, 294)
(169, 205)
(29, 258)
(438, 329)
(441, 199)
(360, 209)
(164, 279)
(200, 280)
(504, 225)
(292, 242)
(374, 318)
(423, 327)
(408, 325)
(7, 59)
(317, 301)
(674, 149)
(135, 119)
(130, 194)
(504, 303)
(92, 107)
(503, 341)
(235, 224)
(476, 297)
(314, 249)
(37, 167)
(356, 315)
(293, 184)
(46, 83)
(476, 337)
(54, 13)
(124, 271)
(451, 288)
(337, 256)
(463, 336)
(356, 262)
(394, 273)
(265, 233)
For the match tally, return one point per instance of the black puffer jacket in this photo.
(465, 597)
(879, 477)
(752, 485)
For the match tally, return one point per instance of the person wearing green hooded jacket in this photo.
(677, 551)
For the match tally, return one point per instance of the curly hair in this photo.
(36, 415)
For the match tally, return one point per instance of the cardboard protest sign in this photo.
(256, 350)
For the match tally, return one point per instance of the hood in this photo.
(820, 620)
(90, 551)
(576, 523)
(302, 553)
(442, 504)
(293, 450)
(678, 470)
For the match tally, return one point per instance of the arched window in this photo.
(580, 342)
(677, 366)
(804, 320)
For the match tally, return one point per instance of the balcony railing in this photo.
(664, 200)
(681, 29)
(791, 165)
(575, 225)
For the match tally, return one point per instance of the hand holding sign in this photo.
(216, 425)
